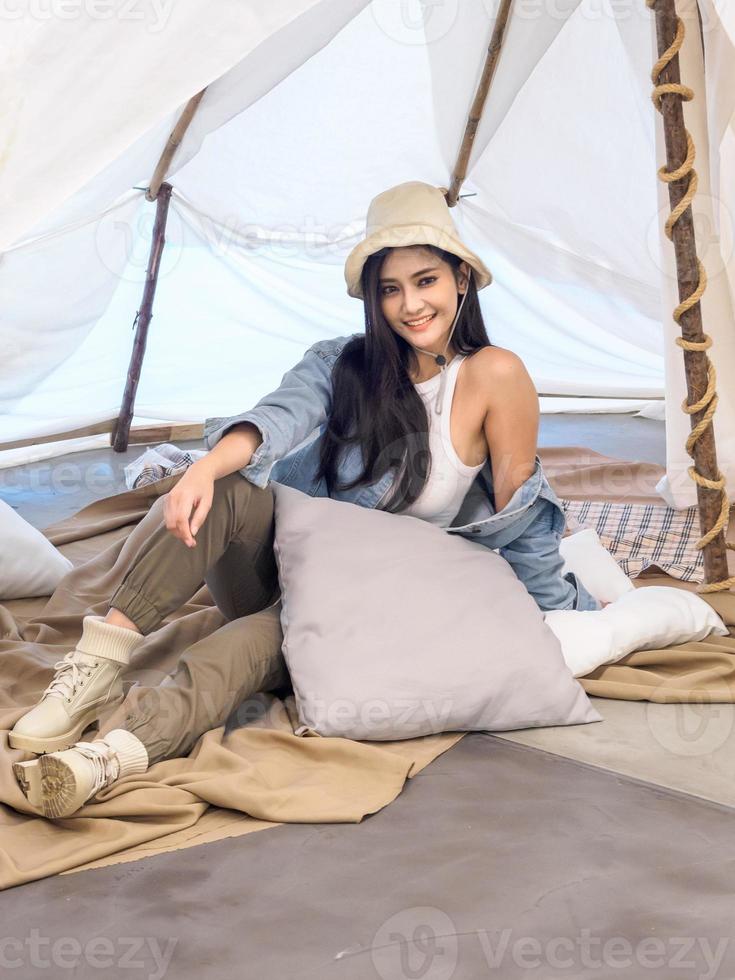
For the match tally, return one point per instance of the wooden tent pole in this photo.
(478, 103)
(172, 145)
(160, 192)
(681, 178)
(121, 431)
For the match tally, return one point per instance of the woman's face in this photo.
(418, 295)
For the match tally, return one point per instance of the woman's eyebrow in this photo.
(421, 272)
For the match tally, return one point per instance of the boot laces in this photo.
(70, 674)
(104, 760)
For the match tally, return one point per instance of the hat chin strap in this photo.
(441, 359)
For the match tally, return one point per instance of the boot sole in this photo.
(49, 785)
(59, 742)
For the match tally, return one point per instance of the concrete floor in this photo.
(495, 861)
(587, 851)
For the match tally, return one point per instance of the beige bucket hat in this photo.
(413, 213)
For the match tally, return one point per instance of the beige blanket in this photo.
(259, 775)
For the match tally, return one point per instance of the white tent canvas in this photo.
(312, 107)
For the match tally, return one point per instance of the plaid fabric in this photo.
(641, 535)
(159, 462)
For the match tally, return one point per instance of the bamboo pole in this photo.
(172, 145)
(668, 97)
(478, 103)
(121, 431)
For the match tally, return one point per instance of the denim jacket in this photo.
(291, 420)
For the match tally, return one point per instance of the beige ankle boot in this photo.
(86, 681)
(58, 784)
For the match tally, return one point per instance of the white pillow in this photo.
(586, 556)
(644, 619)
(29, 564)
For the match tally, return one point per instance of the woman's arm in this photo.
(511, 420)
(282, 419)
(534, 557)
(233, 451)
(511, 430)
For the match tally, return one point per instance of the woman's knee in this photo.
(234, 491)
(242, 580)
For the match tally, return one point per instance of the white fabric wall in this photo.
(73, 254)
(83, 87)
(273, 182)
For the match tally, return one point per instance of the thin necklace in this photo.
(441, 360)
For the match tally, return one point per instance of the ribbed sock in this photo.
(129, 749)
(101, 639)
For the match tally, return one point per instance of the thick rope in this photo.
(709, 399)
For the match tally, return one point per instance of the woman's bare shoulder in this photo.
(496, 363)
(502, 381)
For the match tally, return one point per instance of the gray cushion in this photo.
(394, 628)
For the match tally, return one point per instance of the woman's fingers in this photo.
(177, 517)
(194, 492)
(181, 530)
(200, 513)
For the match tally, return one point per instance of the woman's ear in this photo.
(464, 273)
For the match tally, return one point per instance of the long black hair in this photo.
(374, 403)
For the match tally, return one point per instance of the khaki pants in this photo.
(234, 557)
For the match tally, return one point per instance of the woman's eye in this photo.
(426, 279)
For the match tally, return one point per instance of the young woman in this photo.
(420, 415)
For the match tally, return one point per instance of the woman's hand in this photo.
(194, 491)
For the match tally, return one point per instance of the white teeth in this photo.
(417, 323)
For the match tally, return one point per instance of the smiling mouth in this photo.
(418, 325)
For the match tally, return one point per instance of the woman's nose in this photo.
(413, 305)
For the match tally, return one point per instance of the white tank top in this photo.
(449, 478)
